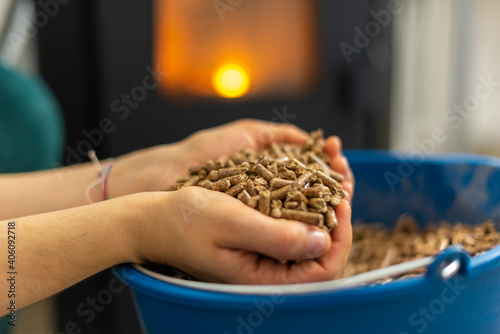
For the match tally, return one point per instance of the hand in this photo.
(217, 238)
(230, 138)
(339, 163)
(157, 168)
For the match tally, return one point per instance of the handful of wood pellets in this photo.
(282, 181)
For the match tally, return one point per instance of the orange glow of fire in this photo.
(253, 53)
(231, 81)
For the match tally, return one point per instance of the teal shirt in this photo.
(31, 130)
(31, 126)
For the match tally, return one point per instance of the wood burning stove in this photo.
(160, 70)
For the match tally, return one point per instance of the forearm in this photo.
(55, 250)
(26, 194)
(62, 188)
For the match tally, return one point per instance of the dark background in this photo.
(92, 51)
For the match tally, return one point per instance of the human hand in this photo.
(339, 163)
(217, 238)
(159, 167)
(230, 138)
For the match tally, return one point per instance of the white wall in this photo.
(4, 5)
(441, 48)
(484, 126)
(17, 49)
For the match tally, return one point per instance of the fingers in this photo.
(343, 167)
(266, 133)
(229, 138)
(291, 240)
(336, 257)
(339, 163)
(220, 242)
(276, 238)
(333, 146)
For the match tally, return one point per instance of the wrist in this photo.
(144, 224)
(97, 190)
(151, 169)
(127, 215)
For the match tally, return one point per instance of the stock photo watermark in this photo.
(429, 313)
(88, 310)
(223, 6)
(454, 117)
(11, 272)
(27, 28)
(121, 107)
(264, 309)
(363, 36)
(266, 134)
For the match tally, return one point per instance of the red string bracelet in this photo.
(105, 182)
(103, 173)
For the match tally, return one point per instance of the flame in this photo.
(231, 81)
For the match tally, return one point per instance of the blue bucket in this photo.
(455, 188)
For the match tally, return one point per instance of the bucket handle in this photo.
(449, 263)
(444, 266)
(450, 270)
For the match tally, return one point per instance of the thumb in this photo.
(278, 238)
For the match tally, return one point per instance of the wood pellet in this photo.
(283, 181)
(376, 246)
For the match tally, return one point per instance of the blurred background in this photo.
(417, 75)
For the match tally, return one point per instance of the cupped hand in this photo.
(157, 168)
(217, 238)
(230, 138)
(339, 163)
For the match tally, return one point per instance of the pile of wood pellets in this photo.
(295, 182)
(283, 181)
(376, 246)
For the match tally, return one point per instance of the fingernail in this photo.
(316, 243)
